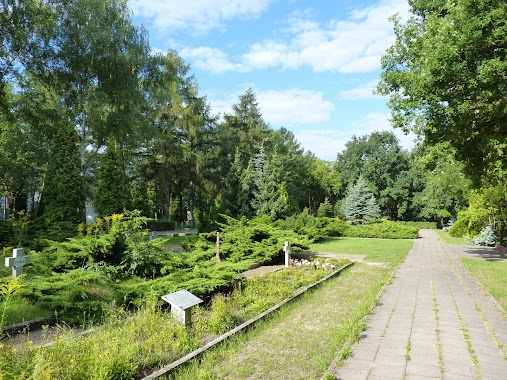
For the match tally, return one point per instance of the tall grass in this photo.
(305, 337)
(127, 345)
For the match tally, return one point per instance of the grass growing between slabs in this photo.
(305, 337)
(491, 274)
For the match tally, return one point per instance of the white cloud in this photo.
(364, 91)
(208, 59)
(326, 143)
(379, 121)
(294, 106)
(353, 45)
(196, 16)
(283, 108)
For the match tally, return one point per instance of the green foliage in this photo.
(383, 230)
(113, 193)
(76, 295)
(337, 227)
(63, 193)
(446, 189)
(421, 225)
(487, 206)
(379, 159)
(486, 237)
(442, 77)
(325, 209)
(360, 206)
(270, 195)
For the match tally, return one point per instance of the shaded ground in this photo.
(476, 252)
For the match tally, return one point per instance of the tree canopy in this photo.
(446, 75)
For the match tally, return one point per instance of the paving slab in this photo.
(432, 322)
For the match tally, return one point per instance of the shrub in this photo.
(73, 295)
(336, 228)
(383, 230)
(420, 225)
(486, 237)
(160, 225)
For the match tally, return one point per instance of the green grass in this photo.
(491, 274)
(21, 310)
(183, 239)
(305, 337)
(383, 250)
(451, 239)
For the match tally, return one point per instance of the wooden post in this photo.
(218, 247)
(286, 249)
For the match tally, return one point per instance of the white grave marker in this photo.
(17, 261)
(181, 303)
(286, 249)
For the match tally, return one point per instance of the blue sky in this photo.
(312, 64)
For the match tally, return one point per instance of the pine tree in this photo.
(113, 193)
(360, 206)
(63, 191)
(270, 195)
(325, 208)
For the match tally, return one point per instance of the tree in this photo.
(360, 206)
(63, 197)
(446, 77)
(446, 189)
(270, 196)
(381, 161)
(113, 193)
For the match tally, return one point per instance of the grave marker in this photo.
(181, 303)
(286, 249)
(18, 260)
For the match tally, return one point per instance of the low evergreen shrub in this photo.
(420, 225)
(160, 225)
(383, 230)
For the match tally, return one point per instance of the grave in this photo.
(18, 260)
(181, 303)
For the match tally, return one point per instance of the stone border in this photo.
(221, 338)
(33, 324)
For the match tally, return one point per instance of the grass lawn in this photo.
(491, 274)
(183, 239)
(380, 250)
(305, 337)
(451, 239)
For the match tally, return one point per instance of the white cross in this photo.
(17, 261)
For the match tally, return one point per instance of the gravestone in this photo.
(18, 260)
(181, 303)
(286, 249)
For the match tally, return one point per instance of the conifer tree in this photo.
(113, 193)
(63, 191)
(270, 195)
(360, 206)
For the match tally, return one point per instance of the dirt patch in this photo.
(328, 255)
(260, 271)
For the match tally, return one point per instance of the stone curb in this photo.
(33, 324)
(201, 350)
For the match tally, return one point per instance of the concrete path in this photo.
(432, 323)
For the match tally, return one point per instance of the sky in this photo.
(313, 64)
